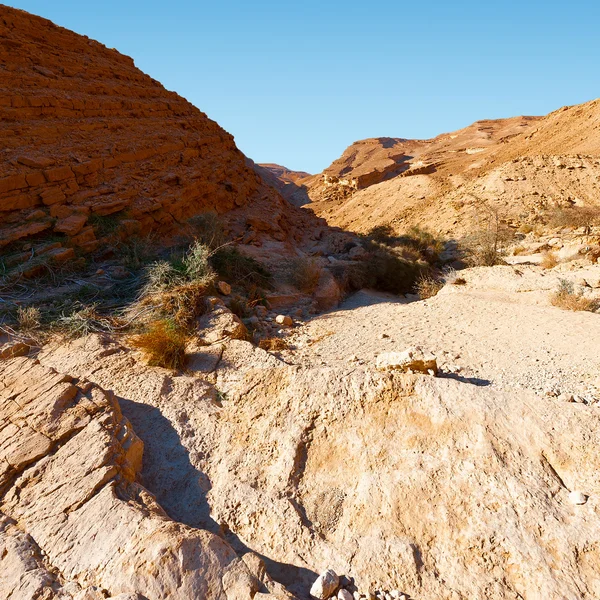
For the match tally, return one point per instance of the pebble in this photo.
(224, 288)
(344, 595)
(577, 497)
(564, 397)
(284, 320)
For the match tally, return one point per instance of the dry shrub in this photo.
(525, 228)
(273, 344)
(574, 216)
(486, 245)
(415, 244)
(177, 290)
(245, 271)
(566, 297)
(427, 287)
(383, 269)
(519, 249)
(163, 345)
(82, 320)
(459, 281)
(549, 260)
(304, 274)
(182, 304)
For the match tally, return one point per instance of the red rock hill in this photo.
(85, 134)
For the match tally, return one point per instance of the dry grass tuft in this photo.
(549, 260)
(427, 287)
(163, 345)
(566, 297)
(29, 319)
(273, 344)
(182, 304)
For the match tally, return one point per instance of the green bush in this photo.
(240, 269)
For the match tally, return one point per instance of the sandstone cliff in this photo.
(88, 139)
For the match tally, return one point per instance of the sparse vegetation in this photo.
(428, 286)
(176, 290)
(273, 344)
(565, 297)
(304, 274)
(208, 230)
(416, 244)
(486, 246)
(29, 319)
(575, 217)
(163, 344)
(244, 270)
(549, 260)
(385, 269)
(105, 225)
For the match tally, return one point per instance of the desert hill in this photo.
(520, 167)
(284, 174)
(89, 142)
(286, 182)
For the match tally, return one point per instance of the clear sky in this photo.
(297, 82)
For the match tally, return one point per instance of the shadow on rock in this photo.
(167, 471)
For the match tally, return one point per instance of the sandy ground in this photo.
(499, 329)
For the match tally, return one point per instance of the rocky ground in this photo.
(480, 483)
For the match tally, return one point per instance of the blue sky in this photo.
(296, 83)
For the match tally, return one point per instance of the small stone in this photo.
(284, 320)
(325, 585)
(577, 398)
(577, 497)
(352, 358)
(224, 288)
(564, 397)
(344, 595)
(412, 360)
(384, 336)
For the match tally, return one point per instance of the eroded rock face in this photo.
(433, 487)
(74, 522)
(88, 137)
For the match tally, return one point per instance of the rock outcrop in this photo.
(74, 522)
(91, 145)
(428, 486)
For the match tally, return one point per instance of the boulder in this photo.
(219, 324)
(325, 585)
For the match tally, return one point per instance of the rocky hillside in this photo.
(519, 167)
(91, 143)
(288, 183)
